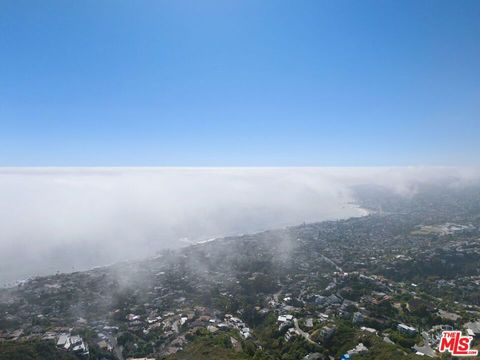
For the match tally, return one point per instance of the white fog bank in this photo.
(65, 219)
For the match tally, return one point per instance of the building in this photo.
(474, 328)
(359, 349)
(405, 329)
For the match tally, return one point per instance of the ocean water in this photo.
(71, 219)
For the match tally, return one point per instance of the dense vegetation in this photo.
(34, 350)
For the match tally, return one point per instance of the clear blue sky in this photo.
(239, 83)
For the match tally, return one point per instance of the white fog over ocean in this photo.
(69, 219)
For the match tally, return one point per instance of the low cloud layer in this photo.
(71, 219)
